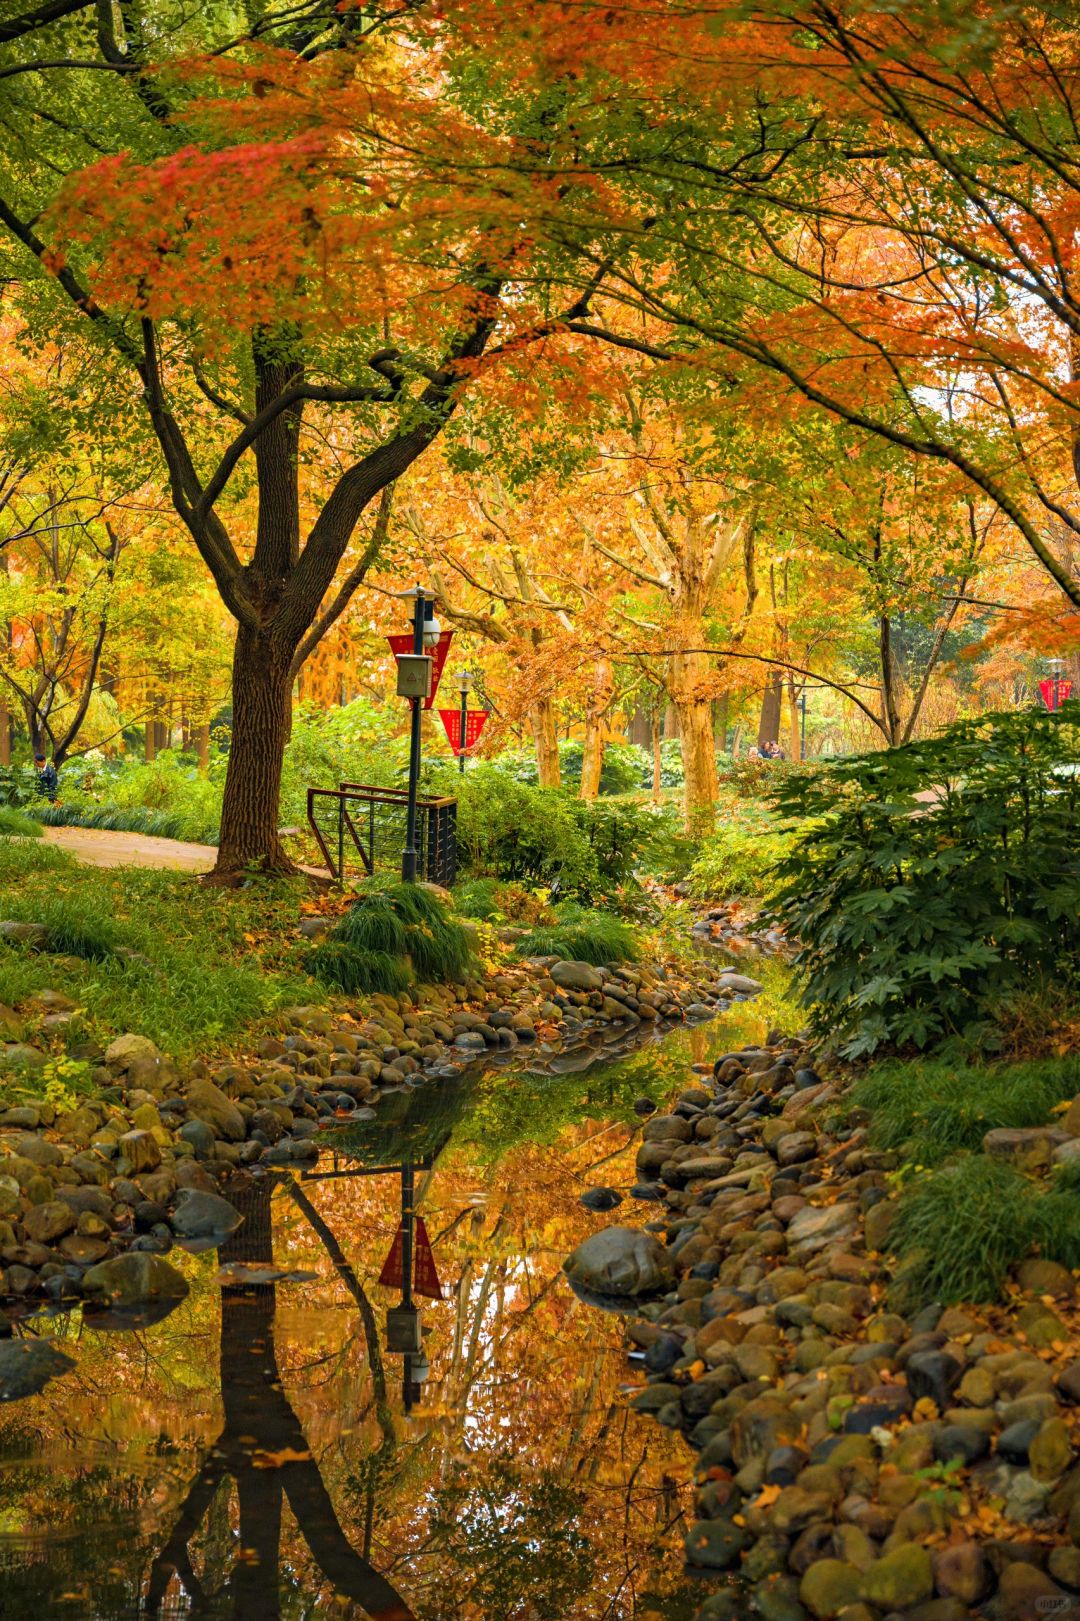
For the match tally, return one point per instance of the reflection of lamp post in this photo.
(414, 683)
(403, 1326)
(464, 683)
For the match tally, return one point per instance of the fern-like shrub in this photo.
(931, 883)
(582, 936)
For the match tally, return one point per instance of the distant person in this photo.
(46, 776)
(771, 751)
(753, 752)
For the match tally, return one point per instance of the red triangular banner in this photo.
(403, 643)
(474, 725)
(425, 1277)
(1054, 700)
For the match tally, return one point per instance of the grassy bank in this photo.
(152, 952)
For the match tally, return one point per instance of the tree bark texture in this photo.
(596, 708)
(769, 723)
(546, 743)
(262, 696)
(690, 693)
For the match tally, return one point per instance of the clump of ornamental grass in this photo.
(583, 936)
(932, 1108)
(388, 937)
(959, 1230)
(16, 824)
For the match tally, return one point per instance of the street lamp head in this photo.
(465, 679)
(432, 628)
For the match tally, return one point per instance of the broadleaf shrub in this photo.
(739, 857)
(932, 882)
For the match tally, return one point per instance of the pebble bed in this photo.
(851, 1462)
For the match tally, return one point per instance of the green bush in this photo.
(959, 1230)
(582, 936)
(477, 898)
(517, 833)
(626, 767)
(931, 1108)
(740, 856)
(933, 882)
(16, 824)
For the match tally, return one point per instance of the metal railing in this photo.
(359, 818)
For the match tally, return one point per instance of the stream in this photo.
(260, 1453)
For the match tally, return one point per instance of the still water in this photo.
(260, 1453)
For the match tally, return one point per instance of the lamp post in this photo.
(426, 629)
(464, 683)
(1056, 667)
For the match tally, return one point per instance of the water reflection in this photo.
(261, 1453)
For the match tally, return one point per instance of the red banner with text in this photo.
(425, 1277)
(474, 725)
(1054, 693)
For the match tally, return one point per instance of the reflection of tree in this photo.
(262, 1448)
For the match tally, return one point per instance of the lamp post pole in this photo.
(464, 682)
(409, 855)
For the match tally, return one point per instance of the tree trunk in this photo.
(721, 706)
(671, 721)
(794, 732)
(262, 698)
(150, 745)
(546, 742)
(769, 724)
(592, 759)
(5, 732)
(640, 728)
(657, 758)
(202, 747)
(690, 673)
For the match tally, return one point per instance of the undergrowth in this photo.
(581, 935)
(388, 937)
(932, 1108)
(17, 824)
(958, 1231)
(153, 952)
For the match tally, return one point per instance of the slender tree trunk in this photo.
(202, 747)
(795, 751)
(5, 732)
(640, 728)
(546, 742)
(671, 721)
(150, 744)
(657, 758)
(769, 724)
(690, 694)
(262, 699)
(720, 720)
(599, 702)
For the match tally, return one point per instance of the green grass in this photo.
(208, 962)
(583, 936)
(390, 935)
(959, 1230)
(356, 971)
(17, 824)
(931, 1108)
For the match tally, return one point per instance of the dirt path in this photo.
(100, 848)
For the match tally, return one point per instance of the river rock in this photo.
(715, 1544)
(26, 1366)
(814, 1228)
(130, 1049)
(49, 1221)
(1027, 1594)
(900, 1579)
(962, 1572)
(1028, 1148)
(135, 1279)
(208, 1103)
(600, 1198)
(204, 1215)
(618, 1267)
(828, 1587)
(576, 976)
(34, 935)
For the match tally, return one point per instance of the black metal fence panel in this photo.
(363, 827)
